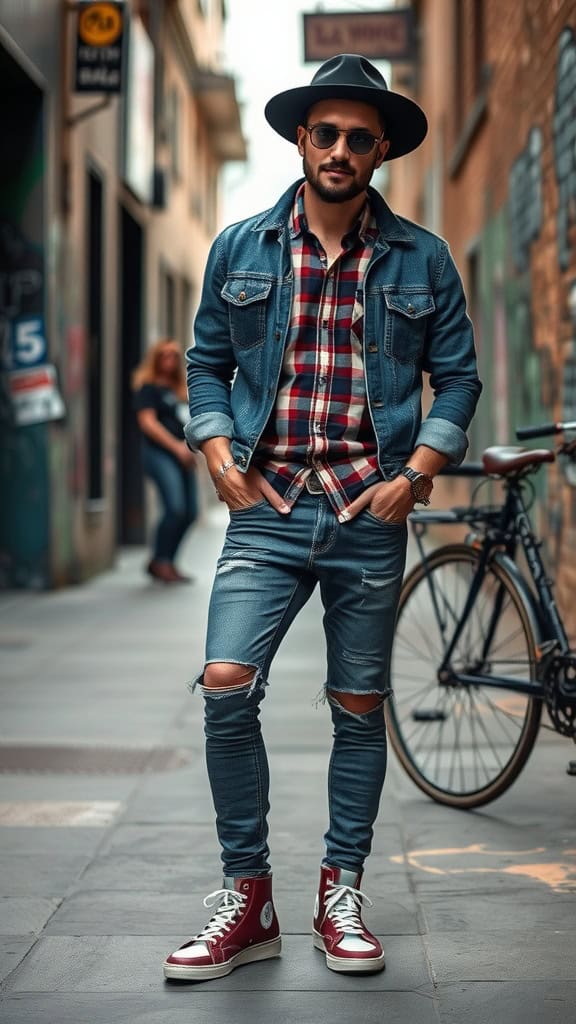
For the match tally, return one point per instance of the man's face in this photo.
(337, 174)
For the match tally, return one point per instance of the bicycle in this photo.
(480, 646)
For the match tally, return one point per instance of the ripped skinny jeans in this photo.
(269, 567)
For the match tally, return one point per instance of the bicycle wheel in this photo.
(462, 744)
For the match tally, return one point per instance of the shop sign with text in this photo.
(387, 35)
(99, 47)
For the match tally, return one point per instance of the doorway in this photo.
(131, 523)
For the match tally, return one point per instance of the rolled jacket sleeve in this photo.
(450, 359)
(210, 362)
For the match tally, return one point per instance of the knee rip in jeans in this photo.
(358, 705)
(228, 678)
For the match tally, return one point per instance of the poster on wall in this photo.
(35, 395)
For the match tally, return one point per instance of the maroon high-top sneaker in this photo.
(338, 926)
(243, 928)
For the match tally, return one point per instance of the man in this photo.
(316, 322)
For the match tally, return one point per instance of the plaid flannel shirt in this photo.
(321, 421)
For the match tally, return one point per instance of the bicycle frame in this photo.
(503, 530)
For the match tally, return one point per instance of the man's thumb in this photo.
(362, 500)
(275, 500)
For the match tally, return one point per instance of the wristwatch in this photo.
(420, 483)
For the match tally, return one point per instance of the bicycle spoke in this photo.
(477, 748)
(413, 699)
(482, 725)
(501, 712)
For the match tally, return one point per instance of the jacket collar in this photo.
(390, 227)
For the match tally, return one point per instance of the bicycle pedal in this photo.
(429, 716)
(571, 769)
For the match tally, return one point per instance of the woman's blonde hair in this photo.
(147, 371)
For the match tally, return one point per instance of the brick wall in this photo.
(500, 158)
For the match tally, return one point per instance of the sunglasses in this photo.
(324, 136)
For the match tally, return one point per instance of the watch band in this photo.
(417, 478)
(414, 474)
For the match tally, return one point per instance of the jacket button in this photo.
(410, 308)
(372, 347)
(242, 460)
(242, 297)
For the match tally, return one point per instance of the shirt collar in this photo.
(365, 227)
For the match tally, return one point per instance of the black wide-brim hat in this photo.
(349, 76)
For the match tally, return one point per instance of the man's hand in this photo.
(241, 490)
(390, 500)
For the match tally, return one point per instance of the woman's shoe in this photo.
(163, 571)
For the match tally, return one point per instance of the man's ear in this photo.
(300, 133)
(383, 148)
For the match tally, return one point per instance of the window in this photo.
(173, 132)
(167, 317)
(469, 88)
(478, 53)
(187, 316)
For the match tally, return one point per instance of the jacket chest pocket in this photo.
(407, 318)
(247, 300)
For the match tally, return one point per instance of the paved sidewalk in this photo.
(107, 842)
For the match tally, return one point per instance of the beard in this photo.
(342, 193)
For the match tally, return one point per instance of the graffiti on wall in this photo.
(564, 132)
(525, 198)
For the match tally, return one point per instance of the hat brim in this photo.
(406, 123)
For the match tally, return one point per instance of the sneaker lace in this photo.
(344, 905)
(230, 904)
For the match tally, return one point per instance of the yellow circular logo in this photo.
(100, 24)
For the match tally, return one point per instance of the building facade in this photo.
(108, 205)
(496, 177)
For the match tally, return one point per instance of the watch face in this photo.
(420, 488)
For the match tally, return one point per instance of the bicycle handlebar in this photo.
(544, 430)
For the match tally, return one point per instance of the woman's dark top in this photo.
(170, 410)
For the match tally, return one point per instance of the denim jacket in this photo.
(414, 320)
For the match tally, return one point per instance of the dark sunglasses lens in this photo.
(323, 137)
(360, 142)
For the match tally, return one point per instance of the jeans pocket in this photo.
(389, 523)
(235, 512)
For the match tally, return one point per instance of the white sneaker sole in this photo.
(347, 966)
(264, 951)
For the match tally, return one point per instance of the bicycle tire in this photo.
(419, 716)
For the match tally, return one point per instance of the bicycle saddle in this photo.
(505, 460)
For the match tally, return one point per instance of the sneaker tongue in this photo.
(228, 882)
(348, 878)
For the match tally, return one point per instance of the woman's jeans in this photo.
(178, 491)
(269, 567)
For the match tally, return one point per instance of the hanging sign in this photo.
(99, 47)
(382, 35)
